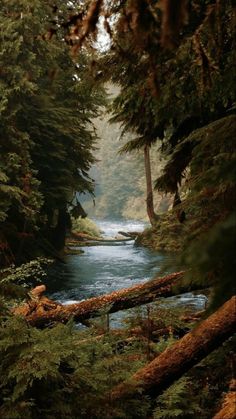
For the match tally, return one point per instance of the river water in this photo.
(105, 268)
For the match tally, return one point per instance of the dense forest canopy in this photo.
(173, 63)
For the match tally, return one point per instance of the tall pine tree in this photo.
(47, 101)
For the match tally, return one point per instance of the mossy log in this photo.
(45, 311)
(176, 360)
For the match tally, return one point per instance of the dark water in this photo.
(103, 269)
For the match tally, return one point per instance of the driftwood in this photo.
(183, 355)
(45, 311)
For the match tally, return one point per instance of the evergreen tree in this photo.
(47, 101)
(174, 65)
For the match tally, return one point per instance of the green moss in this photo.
(85, 225)
(167, 234)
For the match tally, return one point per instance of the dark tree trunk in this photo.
(183, 355)
(177, 199)
(59, 232)
(150, 206)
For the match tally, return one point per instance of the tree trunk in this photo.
(183, 355)
(45, 311)
(150, 206)
(59, 232)
(177, 199)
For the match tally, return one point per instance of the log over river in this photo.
(105, 268)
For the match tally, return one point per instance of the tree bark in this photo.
(45, 311)
(228, 408)
(150, 206)
(183, 355)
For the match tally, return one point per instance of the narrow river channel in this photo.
(105, 268)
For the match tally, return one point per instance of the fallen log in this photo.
(107, 242)
(97, 306)
(115, 240)
(228, 408)
(176, 360)
(87, 238)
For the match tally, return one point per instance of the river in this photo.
(105, 268)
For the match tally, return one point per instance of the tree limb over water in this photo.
(41, 311)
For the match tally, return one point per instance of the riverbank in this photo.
(166, 235)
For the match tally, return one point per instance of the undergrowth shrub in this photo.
(16, 281)
(60, 372)
(85, 225)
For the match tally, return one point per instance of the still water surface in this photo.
(103, 269)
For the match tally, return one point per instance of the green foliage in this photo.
(209, 155)
(15, 282)
(212, 260)
(48, 99)
(173, 403)
(63, 372)
(166, 94)
(85, 225)
(168, 234)
(25, 273)
(161, 88)
(58, 372)
(207, 236)
(209, 246)
(196, 395)
(159, 315)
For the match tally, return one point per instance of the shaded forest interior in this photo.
(167, 155)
